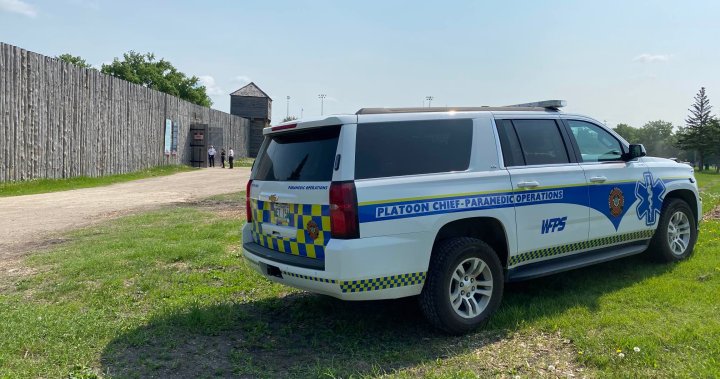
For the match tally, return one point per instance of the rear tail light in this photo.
(344, 210)
(248, 210)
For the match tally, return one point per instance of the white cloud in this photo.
(18, 6)
(650, 58)
(241, 79)
(211, 86)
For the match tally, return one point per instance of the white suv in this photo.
(450, 204)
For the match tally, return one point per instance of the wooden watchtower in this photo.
(254, 104)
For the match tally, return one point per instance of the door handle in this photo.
(528, 184)
(598, 179)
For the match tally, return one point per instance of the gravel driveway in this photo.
(33, 221)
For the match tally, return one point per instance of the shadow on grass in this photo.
(306, 335)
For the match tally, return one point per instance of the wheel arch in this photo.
(487, 229)
(687, 196)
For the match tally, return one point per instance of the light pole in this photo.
(287, 115)
(429, 100)
(322, 97)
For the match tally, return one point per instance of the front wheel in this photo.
(676, 233)
(464, 285)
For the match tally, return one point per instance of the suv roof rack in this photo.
(539, 106)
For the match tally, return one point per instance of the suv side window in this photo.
(541, 142)
(595, 143)
(386, 149)
(512, 154)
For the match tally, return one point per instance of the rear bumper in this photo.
(362, 269)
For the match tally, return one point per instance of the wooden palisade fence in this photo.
(58, 120)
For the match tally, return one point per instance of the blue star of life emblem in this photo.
(650, 194)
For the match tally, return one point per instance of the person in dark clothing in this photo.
(222, 157)
(231, 157)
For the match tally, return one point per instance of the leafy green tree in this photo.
(159, 75)
(714, 135)
(289, 118)
(76, 60)
(659, 139)
(628, 132)
(698, 135)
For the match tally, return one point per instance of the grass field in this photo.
(31, 187)
(167, 294)
(244, 162)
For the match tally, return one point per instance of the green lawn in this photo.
(31, 187)
(167, 294)
(709, 184)
(244, 162)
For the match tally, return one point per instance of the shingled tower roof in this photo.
(250, 90)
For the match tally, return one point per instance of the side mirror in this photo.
(636, 151)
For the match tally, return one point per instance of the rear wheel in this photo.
(464, 285)
(676, 233)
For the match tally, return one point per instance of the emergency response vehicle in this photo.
(451, 203)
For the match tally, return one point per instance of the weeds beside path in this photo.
(32, 187)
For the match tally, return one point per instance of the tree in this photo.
(76, 60)
(658, 138)
(714, 132)
(628, 132)
(697, 135)
(289, 118)
(160, 75)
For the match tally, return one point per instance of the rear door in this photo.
(549, 190)
(289, 193)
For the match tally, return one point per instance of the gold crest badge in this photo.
(312, 229)
(616, 201)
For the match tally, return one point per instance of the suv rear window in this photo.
(388, 149)
(304, 156)
(541, 142)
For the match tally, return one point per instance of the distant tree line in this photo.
(698, 141)
(147, 71)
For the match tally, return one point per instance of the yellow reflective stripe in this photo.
(316, 210)
(294, 248)
(310, 249)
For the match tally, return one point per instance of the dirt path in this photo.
(33, 221)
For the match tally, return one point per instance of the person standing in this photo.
(231, 157)
(222, 157)
(211, 156)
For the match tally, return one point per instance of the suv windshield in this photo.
(306, 156)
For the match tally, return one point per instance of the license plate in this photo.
(282, 214)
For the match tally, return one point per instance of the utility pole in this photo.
(429, 100)
(322, 97)
(288, 107)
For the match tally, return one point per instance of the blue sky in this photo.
(619, 61)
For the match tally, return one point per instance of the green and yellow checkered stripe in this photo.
(300, 215)
(308, 277)
(579, 246)
(386, 282)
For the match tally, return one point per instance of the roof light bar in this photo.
(553, 104)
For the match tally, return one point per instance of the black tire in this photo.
(660, 248)
(435, 299)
